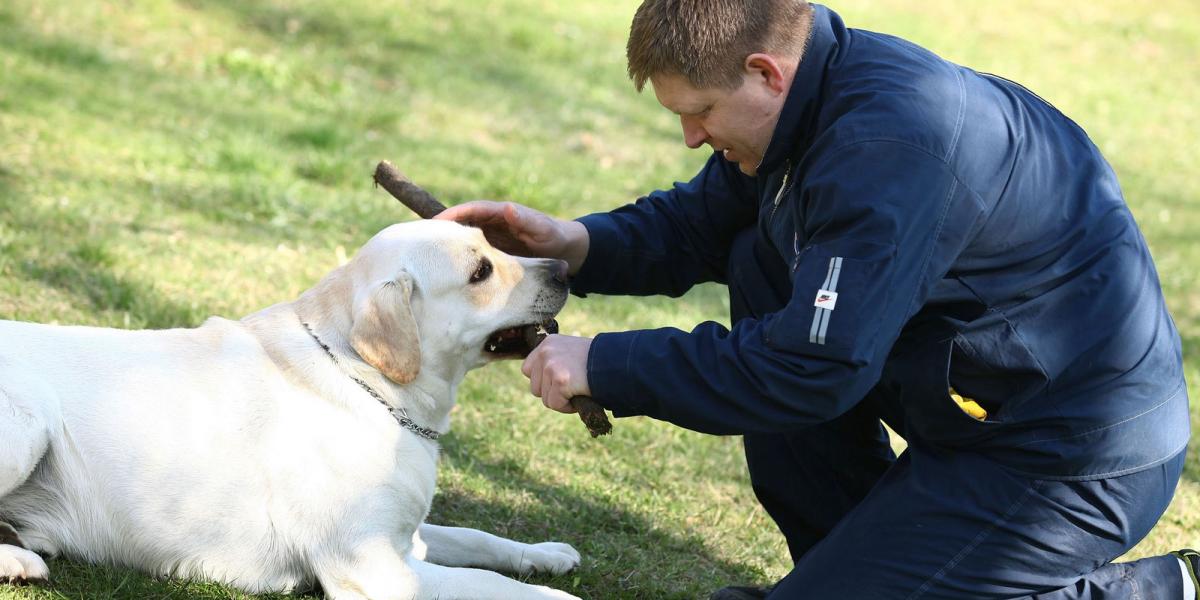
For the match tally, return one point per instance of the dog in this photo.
(292, 448)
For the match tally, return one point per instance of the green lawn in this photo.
(166, 160)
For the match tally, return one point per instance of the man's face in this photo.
(738, 123)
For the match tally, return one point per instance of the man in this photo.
(903, 239)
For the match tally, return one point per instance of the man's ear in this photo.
(768, 70)
(385, 332)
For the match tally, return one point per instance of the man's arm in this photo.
(883, 223)
(664, 243)
(671, 239)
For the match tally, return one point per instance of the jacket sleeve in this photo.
(670, 240)
(881, 223)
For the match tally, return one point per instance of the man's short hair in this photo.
(707, 41)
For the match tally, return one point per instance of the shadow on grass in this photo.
(238, 183)
(104, 291)
(64, 251)
(241, 181)
(77, 581)
(624, 554)
(497, 63)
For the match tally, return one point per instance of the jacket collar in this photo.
(798, 119)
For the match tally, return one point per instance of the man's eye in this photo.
(482, 272)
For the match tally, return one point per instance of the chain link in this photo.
(397, 412)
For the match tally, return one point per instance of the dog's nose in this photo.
(559, 271)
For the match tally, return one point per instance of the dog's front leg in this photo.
(377, 571)
(461, 547)
(455, 583)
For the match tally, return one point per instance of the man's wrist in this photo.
(576, 247)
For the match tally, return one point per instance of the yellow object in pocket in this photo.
(969, 406)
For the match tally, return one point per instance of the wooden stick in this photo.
(408, 193)
(426, 206)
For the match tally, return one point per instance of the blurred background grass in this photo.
(166, 160)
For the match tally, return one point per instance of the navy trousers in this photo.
(935, 523)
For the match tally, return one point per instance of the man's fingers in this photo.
(552, 399)
(533, 367)
(475, 211)
(529, 362)
(508, 226)
(535, 381)
(453, 213)
(535, 384)
(512, 215)
(557, 371)
(555, 397)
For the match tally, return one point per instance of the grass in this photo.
(164, 160)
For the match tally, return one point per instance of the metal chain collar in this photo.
(397, 412)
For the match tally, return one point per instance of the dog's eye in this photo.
(483, 271)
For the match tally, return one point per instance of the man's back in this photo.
(1051, 312)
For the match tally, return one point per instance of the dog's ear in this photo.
(385, 333)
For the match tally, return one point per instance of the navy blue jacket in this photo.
(942, 228)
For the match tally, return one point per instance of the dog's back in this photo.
(124, 450)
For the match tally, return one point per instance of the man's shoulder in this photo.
(888, 89)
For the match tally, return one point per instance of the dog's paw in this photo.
(552, 558)
(18, 565)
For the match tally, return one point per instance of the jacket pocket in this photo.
(920, 380)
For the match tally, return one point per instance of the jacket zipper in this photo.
(783, 189)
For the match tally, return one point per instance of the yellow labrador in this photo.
(292, 447)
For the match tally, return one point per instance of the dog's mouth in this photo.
(518, 341)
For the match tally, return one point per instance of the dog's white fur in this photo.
(240, 452)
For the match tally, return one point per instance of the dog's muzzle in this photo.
(519, 341)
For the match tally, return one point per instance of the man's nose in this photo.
(694, 133)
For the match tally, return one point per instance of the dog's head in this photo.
(435, 292)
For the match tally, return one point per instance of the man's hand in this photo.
(522, 231)
(557, 371)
